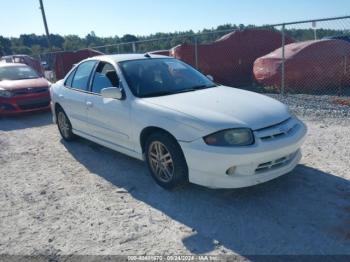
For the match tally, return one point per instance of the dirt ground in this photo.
(81, 198)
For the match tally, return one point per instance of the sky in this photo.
(143, 17)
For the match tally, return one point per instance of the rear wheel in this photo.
(64, 125)
(166, 161)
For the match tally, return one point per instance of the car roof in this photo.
(12, 64)
(126, 57)
(19, 55)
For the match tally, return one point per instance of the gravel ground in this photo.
(80, 198)
(316, 107)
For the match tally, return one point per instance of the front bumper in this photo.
(261, 162)
(24, 104)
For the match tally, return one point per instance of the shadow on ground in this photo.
(31, 120)
(305, 212)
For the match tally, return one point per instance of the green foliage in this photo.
(72, 42)
(35, 45)
(23, 50)
(309, 34)
(5, 46)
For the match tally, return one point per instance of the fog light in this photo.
(231, 171)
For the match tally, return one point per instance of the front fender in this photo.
(179, 125)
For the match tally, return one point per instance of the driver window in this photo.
(105, 76)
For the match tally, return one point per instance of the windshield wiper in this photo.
(202, 87)
(160, 93)
(165, 93)
(185, 90)
(194, 88)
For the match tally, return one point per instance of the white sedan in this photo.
(183, 125)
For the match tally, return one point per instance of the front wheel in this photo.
(64, 125)
(166, 161)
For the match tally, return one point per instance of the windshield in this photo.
(162, 76)
(17, 73)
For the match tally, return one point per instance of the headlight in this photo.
(231, 137)
(5, 93)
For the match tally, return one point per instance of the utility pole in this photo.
(45, 23)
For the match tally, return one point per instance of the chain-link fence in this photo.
(317, 63)
(306, 57)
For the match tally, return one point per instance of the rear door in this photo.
(73, 97)
(109, 119)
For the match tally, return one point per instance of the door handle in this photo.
(89, 104)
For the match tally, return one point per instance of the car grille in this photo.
(26, 91)
(7, 107)
(280, 130)
(33, 104)
(278, 163)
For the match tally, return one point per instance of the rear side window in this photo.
(70, 79)
(82, 75)
(105, 76)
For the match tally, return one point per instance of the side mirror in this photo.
(112, 92)
(211, 78)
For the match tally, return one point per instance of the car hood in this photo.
(24, 83)
(225, 107)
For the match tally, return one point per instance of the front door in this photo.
(109, 119)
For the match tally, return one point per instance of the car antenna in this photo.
(147, 55)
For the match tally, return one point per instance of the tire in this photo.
(64, 125)
(164, 152)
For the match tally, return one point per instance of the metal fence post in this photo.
(283, 60)
(196, 51)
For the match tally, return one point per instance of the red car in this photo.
(22, 90)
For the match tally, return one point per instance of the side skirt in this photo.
(109, 145)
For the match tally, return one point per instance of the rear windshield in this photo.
(17, 73)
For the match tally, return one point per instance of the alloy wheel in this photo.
(63, 124)
(161, 161)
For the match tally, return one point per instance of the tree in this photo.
(73, 42)
(57, 41)
(36, 50)
(32, 39)
(129, 38)
(5, 46)
(93, 40)
(22, 50)
(34, 44)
